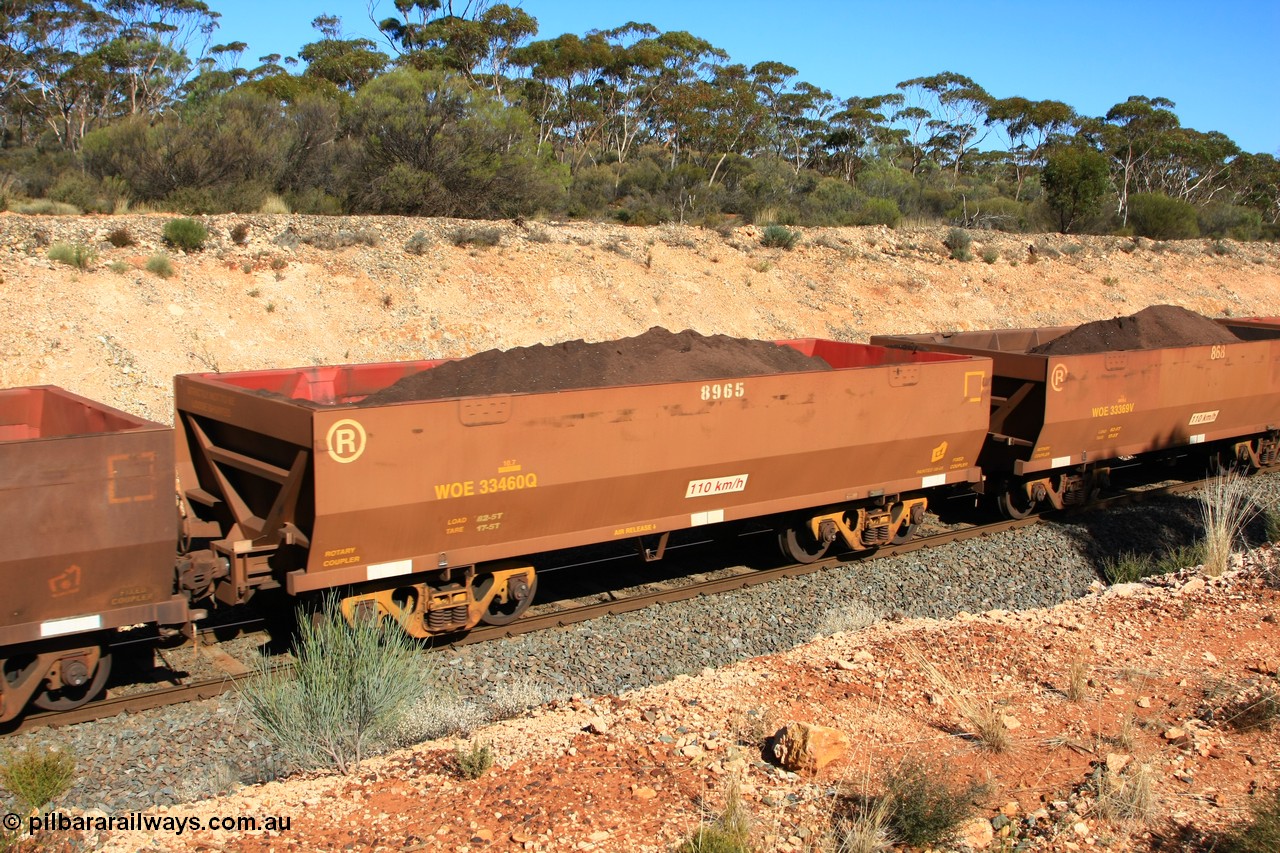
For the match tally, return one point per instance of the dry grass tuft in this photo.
(1077, 680)
(866, 830)
(1227, 505)
(983, 719)
(1126, 795)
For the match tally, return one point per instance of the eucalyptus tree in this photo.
(856, 130)
(793, 113)
(957, 107)
(1255, 181)
(1029, 127)
(645, 66)
(473, 37)
(560, 92)
(1129, 134)
(348, 63)
(148, 51)
(1188, 165)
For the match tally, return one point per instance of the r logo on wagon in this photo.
(346, 440)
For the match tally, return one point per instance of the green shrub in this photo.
(160, 264)
(924, 808)
(712, 838)
(475, 235)
(418, 244)
(1162, 218)
(1271, 524)
(958, 242)
(1003, 214)
(37, 777)
(990, 256)
(351, 686)
(76, 255)
(1127, 567)
(1230, 220)
(778, 237)
(878, 211)
(1179, 557)
(119, 267)
(1075, 181)
(1262, 833)
(120, 237)
(474, 762)
(185, 234)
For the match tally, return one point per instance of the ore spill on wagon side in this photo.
(656, 356)
(1150, 328)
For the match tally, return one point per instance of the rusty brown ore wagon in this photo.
(1059, 421)
(428, 510)
(87, 510)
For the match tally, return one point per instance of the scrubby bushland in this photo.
(430, 145)
(226, 156)
(1162, 218)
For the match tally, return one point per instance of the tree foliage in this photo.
(1075, 182)
(429, 145)
(465, 109)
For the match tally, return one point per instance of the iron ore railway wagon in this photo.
(87, 514)
(432, 510)
(1059, 421)
(427, 510)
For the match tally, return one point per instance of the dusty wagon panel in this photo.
(370, 492)
(86, 504)
(1054, 411)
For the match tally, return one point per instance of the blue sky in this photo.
(1218, 61)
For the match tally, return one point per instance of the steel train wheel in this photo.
(67, 698)
(1015, 505)
(904, 534)
(799, 544)
(504, 614)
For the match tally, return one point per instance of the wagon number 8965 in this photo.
(724, 391)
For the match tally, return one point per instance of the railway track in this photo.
(574, 611)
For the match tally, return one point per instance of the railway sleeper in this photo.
(493, 594)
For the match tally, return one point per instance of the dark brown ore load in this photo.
(653, 357)
(1151, 328)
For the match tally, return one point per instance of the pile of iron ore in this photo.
(1151, 328)
(653, 357)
